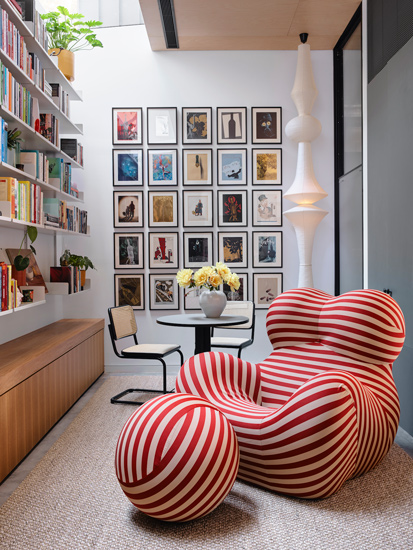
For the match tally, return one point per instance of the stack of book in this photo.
(14, 96)
(66, 274)
(8, 285)
(73, 149)
(61, 98)
(49, 128)
(33, 21)
(57, 213)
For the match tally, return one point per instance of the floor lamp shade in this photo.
(305, 189)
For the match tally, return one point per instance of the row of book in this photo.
(66, 274)
(49, 127)
(25, 198)
(8, 288)
(13, 44)
(73, 149)
(15, 97)
(26, 9)
(59, 214)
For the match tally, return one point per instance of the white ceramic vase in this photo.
(212, 302)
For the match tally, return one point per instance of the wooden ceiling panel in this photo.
(251, 24)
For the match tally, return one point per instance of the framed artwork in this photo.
(163, 208)
(191, 298)
(127, 126)
(266, 125)
(266, 166)
(231, 125)
(267, 286)
(164, 291)
(127, 167)
(129, 291)
(232, 248)
(128, 250)
(162, 125)
(267, 248)
(198, 251)
(232, 208)
(196, 125)
(267, 208)
(239, 295)
(162, 167)
(198, 208)
(163, 250)
(127, 209)
(232, 166)
(197, 166)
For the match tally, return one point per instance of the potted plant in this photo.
(82, 262)
(20, 262)
(13, 146)
(68, 33)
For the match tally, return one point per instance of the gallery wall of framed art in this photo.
(214, 196)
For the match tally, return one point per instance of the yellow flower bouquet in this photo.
(209, 277)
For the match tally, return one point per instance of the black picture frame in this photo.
(235, 172)
(163, 156)
(163, 292)
(189, 202)
(266, 125)
(229, 246)
(267, 247)
(129, 130)
(130, 292)
(264, 296)
(163, 255)
(231, 125)
(194, 121)
(192, 175)
(269, 170)
(162, 125)
(267, 208)
(232, 208)
(192, 261)
(128, 171)
(163, 211)
(128, 256)
(121, 217)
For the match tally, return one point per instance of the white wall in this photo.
(126, 73)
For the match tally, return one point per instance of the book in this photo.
(16, 5)
(56, 172)
(28, 9)
(63, 274)
(30, 160)
(34, 276)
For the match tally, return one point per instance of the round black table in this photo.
(202, 326)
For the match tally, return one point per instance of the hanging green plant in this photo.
(68, 31)
(22, 262)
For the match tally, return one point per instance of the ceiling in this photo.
(250, 24)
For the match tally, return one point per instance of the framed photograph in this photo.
(164, 291)
(196, 125)
(163, 250)
(127, 167)
(163, 208)
(232, 166)
(127, 209)
(127, 126)
(267, 286)
(162, 125)
(191, 298)
(232, 208)
(239, 295)
(162, 167)
(198, 251)
(129, 291)
(267, 208)
(267, 249)
(233, 248)
(266, 125)
(197, 166)
(198, 208)
(266, 166)
(128, 250)
(231, 125)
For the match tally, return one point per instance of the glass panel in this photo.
(352, 122)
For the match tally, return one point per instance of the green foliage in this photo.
(13, 138)
(22, 262)
(68, 31)
(83, 262)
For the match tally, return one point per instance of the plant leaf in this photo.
(32, 233)
(21, 263)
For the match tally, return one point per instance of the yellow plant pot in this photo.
(65, 61)
(82, 277)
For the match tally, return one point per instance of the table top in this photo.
(199, 319)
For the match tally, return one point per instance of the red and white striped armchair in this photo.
(323, 407)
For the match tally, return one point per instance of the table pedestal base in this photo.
(202, 339)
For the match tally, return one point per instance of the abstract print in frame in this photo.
(267, 166)
(198, 251)
(232, 166)
(162, 167)
(231, 125)
(127, 126)
(127, 209)
(129, 291)
(127, 167)
(267, 247)
(164, 291)
(267, 286)
(128, 250)
(232, 249)
(162, 125)
(163, 250)
(163, 208)
(232, 208)
(266, 125)
(197, 166)
(196, 125)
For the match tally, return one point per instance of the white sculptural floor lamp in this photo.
(305, 189)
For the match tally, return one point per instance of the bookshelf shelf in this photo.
(26, 306)
(14, 224)
(62, 289)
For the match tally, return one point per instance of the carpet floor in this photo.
(72, 500)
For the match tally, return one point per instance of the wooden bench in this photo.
(41, 375)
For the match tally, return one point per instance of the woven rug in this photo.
(72, 500)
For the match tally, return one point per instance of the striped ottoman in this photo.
(177, 457)
(323, 407)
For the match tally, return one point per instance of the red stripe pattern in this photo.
(177, 457)
(323, 407)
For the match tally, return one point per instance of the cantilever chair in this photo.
(122, 325)
(236, 308)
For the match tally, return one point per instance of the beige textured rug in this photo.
(72, 500)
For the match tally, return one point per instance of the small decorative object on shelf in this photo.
(81, 262)
(211, 301)
(20, 262)
(68, 33)
(13, 146)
